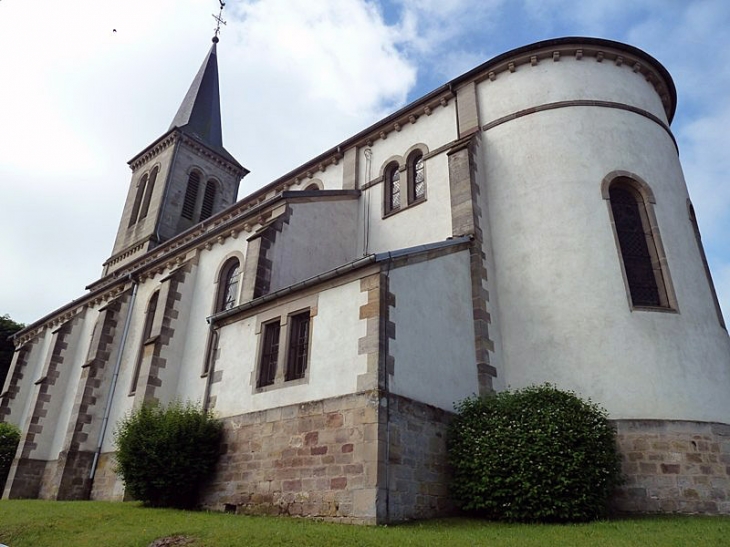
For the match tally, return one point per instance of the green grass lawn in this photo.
(32, 523)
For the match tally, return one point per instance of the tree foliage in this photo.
(534, 455)
(9, 439)
(8, 327)
(165, 453)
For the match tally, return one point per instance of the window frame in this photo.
(189, 208)
(406, 169)
(392, 169)
(149, 336)
(231, 269)
(138, 198)
(286, 317)
(296, 362)
(210, 195)
(645, 202)
(705, 265)
(144, 209)
(411, 163)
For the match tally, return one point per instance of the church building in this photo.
(527, 222)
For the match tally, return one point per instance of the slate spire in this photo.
(199, 114)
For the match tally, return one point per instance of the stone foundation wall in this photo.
(318, 459)
(107, 485)
(418, 474)
(67, 478)
(674, 466)
(24, 479)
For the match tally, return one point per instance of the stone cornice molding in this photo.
(241, 217)
(587, 53)
(174, 136)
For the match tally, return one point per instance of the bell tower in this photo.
(182, 178)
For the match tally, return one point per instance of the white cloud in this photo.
(79, 99)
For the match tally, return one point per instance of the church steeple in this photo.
(183, 177)
(199, 114)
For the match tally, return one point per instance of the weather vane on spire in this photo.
(220, 21)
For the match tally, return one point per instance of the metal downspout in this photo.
(115, 376)
(384, 349)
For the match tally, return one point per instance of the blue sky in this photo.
(78, 100)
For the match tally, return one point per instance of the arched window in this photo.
(191, 195)
(312, 187)
(137, 201)
(708, 275)
(148, 193)
(641, 253)
(392, 188)
(208, 200)
(149, 320)
(416, 177)
(228, 285)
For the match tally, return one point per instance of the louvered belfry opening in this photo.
(208, 200)
(191, 195)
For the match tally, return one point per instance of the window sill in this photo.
(280, 384)
(659, 309)
(404, 208)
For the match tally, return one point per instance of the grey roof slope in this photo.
(199, 114)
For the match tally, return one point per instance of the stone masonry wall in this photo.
(317, 459)
(674, 466)
(24, 481)
(107, 486)
(418, 474)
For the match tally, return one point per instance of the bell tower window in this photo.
(138, 200)
(208, 200)
(191, 195)
(148, 194)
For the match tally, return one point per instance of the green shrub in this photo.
(9, 439)
(165, 453)
(534, 455)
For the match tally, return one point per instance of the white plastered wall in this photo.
(433, 349)
(564, 311)
(69, 381)
(190, 383)
(425, 222)
(566, 80)
(334, 361)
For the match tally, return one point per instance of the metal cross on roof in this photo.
(219, 19)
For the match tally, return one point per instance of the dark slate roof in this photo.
(199, 114)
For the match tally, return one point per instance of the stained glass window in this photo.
(419, 179)
(393, 188)
(634, 241)
(228, 285)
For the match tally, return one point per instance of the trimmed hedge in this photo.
(165, 453)
(534, 455)
(9, 439)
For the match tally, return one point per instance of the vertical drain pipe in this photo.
(115, 377)
(366, 203)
